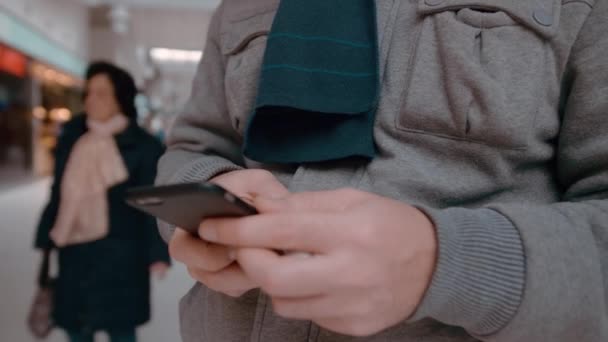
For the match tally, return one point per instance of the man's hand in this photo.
(212, 264)
(373, 257)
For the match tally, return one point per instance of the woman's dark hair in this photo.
(125, 89)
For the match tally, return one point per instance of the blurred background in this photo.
(45, 46)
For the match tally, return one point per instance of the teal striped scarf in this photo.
(318, 90)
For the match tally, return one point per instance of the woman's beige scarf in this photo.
(95, 165)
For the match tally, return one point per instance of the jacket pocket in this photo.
(192, 315)
(478, 70)
(244, 44)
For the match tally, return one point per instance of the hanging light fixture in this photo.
(119, 18)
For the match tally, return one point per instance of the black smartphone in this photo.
(186, 205)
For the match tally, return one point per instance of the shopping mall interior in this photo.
(45, 46)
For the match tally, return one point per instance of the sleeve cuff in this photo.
(480, 276)
(200, 170)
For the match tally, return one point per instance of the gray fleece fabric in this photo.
(493, 119)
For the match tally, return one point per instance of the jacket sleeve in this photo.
(202, 142)
(518, 272)
(157, 248)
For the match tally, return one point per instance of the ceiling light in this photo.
(163, 55)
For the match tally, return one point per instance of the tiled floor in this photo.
(14, 176)
(20, 206)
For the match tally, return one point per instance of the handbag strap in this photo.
(44, 277)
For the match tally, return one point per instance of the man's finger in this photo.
(194, 252)
(249, 184)
(322, 201)
(300, 232)
(288, 276)
(231, 280)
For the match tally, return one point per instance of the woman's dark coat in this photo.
(104, 285)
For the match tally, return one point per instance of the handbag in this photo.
(40, 321)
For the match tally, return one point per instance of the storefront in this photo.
(15, 121)
(40, 88)
(57, 96)
(35, 100)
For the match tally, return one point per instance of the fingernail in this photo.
(299, 255)
(274, 200)
(246, 197)
(276, 197)
(209, 234)
(232, 254)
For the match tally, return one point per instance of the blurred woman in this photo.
(107, 250)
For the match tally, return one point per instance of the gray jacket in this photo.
(493, 118)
